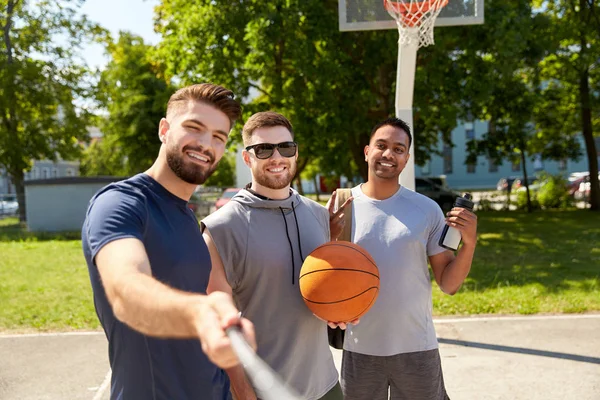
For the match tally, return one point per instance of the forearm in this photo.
(240, 386)
(155, 309)
(457, 270)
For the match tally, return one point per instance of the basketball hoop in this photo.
(415, 19)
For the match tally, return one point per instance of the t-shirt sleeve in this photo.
(114, 215)
(435, 232)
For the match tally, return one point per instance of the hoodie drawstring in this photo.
(290, 241)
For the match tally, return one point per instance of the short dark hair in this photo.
(208, 93)
(395, 122)
(262, 119)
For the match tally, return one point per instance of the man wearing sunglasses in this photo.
(258, 242)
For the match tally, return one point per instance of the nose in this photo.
(388, 153)
(204, 140)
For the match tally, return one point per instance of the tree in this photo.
(41, 80)
(571, 78)
(224, 175)
(289, 56)
(494, 69)
(133, 91)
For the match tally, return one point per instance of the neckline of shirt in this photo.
(362, 194)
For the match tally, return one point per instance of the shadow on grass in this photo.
(557, 249)
(13, 231)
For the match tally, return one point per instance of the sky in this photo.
(135, 16)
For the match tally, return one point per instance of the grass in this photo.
(546, 262)
(44, 283)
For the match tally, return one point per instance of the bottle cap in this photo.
(464, 201)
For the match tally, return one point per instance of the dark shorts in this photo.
(334, 394)
(409, 376)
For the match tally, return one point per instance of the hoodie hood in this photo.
(250, 199)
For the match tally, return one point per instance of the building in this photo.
(485, 173)
(47, 169)
(42, 169)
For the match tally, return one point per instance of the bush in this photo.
(486, 202)
(522, 200)
(554, 192)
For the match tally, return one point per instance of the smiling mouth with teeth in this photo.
(198, 157)
(386, 164)
(276, 170)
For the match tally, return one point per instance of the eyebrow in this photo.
(397, 143)
(197, 122)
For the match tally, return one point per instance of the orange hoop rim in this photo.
(417, 8)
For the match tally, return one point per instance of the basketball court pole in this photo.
(405, 83)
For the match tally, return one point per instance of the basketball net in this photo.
(415, 19)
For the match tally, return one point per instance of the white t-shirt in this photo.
(400, 233)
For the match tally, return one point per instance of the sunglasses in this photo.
(266, 150)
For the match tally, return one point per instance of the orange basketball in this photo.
(339, 281)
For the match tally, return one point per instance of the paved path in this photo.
(512, 358)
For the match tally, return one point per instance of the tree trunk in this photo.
(18, 181)
(586, 114)
(299, 185)
(316, 183)
(10, 116)
(523, 159)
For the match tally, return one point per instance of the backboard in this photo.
(366, 15)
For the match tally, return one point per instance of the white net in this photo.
(415, 19)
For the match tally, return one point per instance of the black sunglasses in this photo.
(266, 150)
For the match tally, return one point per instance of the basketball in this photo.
(339, 281)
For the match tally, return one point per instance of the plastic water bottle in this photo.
(451, 237)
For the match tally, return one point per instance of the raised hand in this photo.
(336, 219)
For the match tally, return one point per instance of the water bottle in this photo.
(450, 238)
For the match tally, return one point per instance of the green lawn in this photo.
(43, 281)
(547, 262)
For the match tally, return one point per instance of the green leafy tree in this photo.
(133, 91)
(571, 75)
(41, 79)
(224, 175)
(288, 56)
(500, 83)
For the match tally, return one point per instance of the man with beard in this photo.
(258, 242)
(395, 347)
(149, 267)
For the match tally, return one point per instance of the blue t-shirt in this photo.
(144, 367)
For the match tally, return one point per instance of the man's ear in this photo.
(163, 129)
(246, 157)
(366, 151)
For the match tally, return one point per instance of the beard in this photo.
(188, 171)
(271, 182)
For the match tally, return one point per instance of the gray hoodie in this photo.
(262, 244)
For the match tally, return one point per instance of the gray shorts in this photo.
(409, 376)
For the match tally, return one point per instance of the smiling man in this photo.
(258, 242)
(394, 349)
(149, 267)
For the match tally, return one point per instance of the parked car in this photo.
(9, 208)
(575, 179)
(520, 182)
(225, 197)
(505, 184)
(585, 186)
(442, 195)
